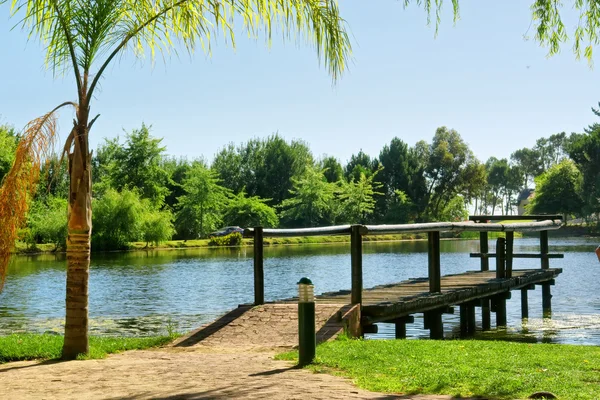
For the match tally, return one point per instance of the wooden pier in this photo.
(435, 294)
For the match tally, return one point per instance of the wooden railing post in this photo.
(500, 258)
(356, 260)
(259, 274)
(544, 249)
(435, 285)
(484, 250)
(510, 237)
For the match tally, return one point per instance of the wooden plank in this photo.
(517, 255)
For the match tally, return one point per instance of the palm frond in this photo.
(19, 185)
(81, 34)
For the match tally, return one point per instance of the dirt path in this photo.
(231, 357)
(173, 373)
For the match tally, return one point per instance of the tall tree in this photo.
(558, 190)
(310, 201)
(529, 163)
(85, 37)
(332, 169)
(202, 206)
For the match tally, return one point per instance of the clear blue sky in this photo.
(480, 77)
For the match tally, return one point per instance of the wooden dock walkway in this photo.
(396, 303)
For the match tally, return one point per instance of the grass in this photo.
(20, 347)
(497, 370)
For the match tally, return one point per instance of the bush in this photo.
(233, 239)
(47, 223)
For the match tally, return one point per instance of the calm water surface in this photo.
(143, 293)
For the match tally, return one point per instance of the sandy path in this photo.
(172, 373)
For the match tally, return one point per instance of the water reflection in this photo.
(149, 292)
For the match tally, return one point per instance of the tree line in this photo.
(140, 193)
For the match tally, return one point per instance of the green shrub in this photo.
(233, 239)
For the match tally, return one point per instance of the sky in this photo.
(484, 76)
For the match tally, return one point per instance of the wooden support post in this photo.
(400, 325)
(546, 299)
(435, 285)
(500, 302)
(524, 304)
(486, 320)
(356, 260)
(471, 324)
(510, 237)
(434, 321)
(544, 249)
(464, 321)
(259, 274)
(484, 250)
(500, 258)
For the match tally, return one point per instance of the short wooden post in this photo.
(486, 320)
(484, 250)
(500, 257)
(436, 327)
(464, 321)
(546, 299)
(471, 324)
(500, 301)
(400, 326)
(524, 304)
(259, 274)
(356, 260)
(510, 237)
(435, 285)
(544, 249)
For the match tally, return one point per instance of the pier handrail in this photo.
(478, 223)
(548, 224)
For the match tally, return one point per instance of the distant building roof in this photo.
(525, 193)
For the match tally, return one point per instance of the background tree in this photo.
(47, 222)
(448, 158)
(85, 37)
(202, 206)
(529, 163)
(357, 198)
(310, 201)
(332, 169)
(8, 147)
(249, 212)
(557, 191)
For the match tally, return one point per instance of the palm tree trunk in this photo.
(78, 244)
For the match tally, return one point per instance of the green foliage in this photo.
(455, 210)
(21, 347)
(464, 368)
(311, 200)
(357, 198)
(123, 217)
(201, 208)
(448, 164)
(263, 168)
(233, 239)
(8, 146)
(332, 169)
(47, 222)
(558, 190)
(136, 164)
(249, 212)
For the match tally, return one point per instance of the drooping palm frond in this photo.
(80, 35)
(35, 146)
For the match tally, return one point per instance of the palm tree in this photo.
(82, 37)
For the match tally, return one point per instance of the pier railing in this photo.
(480, 223)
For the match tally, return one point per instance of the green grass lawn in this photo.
(498, 370)
(19, 347)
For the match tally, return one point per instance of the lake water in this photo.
(144, 293)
